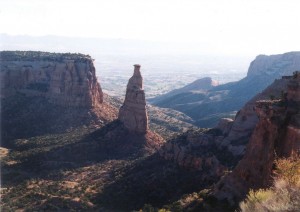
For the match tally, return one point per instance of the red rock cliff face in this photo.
(246, 119)
(276, 134)
(65, 79)
(230, 141)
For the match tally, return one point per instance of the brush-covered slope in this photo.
(191, 93)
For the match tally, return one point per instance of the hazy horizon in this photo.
(177, 41)
(164, 67)
(235, 27)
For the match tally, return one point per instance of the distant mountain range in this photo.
(207, 106)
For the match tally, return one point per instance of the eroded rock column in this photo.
(133, 113)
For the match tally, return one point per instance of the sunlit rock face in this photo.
(275, 65)
(64, 79)
(246, 119)
(133, 113)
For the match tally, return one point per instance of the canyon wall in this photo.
(270, 120)
(231, 136)
(274, 65)
(277, 134)
(241, 128)
(45, 92)
(64, 79)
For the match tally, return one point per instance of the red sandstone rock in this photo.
(133, 113)
(246, 119)
(64, 81)
(276, 134)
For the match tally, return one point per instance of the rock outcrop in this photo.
(196, 150)
(272, 126)
(131, 131)
(45, 92)
(277, 134)
(133, 113)
(275, 65)
(246, 119)
(64, 79)
(232, 136)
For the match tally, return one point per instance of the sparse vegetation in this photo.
(42, 56)
(84, 170)
(284, 195)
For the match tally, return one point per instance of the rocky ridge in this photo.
(277, 134)
(223, 101)
(219, 149)
(186, 94)
(197, 150)
(239, 130)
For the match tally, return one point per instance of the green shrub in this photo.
(288, 169)
(284, 195)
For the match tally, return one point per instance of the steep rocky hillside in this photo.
(276, 135)
(168, 122)
(206, 108)
(226, 143)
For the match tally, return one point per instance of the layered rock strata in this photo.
(271, 125)
(196, 150)
(231, 136)
(133, 112)
(239, 131)
(276, 134)
(64, 79)
(45, 92)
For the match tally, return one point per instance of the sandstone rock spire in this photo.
(133, 113)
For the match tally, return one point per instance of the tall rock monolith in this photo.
(133, 113)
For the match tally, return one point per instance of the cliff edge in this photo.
(277, 134)
(64, 79)
(44, 92)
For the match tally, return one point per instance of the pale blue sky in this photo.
(224, 26)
